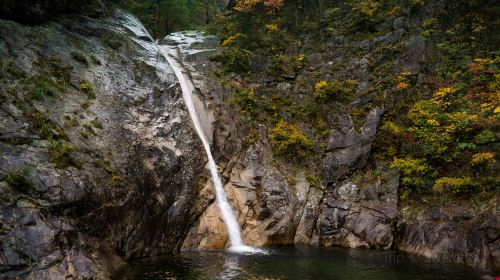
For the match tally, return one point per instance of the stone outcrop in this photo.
(452, 234)
(86, 182)
(347, 148)
(360, 215)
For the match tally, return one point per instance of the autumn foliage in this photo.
(255, 6)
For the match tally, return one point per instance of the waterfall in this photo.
(228, 216)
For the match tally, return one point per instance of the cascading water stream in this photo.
(228, 216)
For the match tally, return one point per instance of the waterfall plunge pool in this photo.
(297, 263)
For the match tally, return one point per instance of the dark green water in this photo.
(298, 263)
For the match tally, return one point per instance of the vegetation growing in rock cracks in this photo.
(60, 153)
(20, 179)
(289, 141)
(440, 134)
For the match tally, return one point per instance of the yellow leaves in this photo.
(430, 23)
(231, 40)
(443, 92)
(412, 168)
(402, 86)
(366, 7)
(392, 127)
(442, 96)
(299, 61)
(271, 27)
(402, 81)
(452, 184)
(288, 140)
(115, 178)
(274, 4)
(433, 122)
(246, 6)
(396, 10)
(410, 165)
(484, 157)
(320, 86)
(299, 58)
(421, 112)
(455, 121)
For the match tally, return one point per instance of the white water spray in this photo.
(187, 87)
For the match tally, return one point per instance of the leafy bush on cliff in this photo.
(234, 59)
(20, 179)
(289, 141)
(60, 154)
(245, 100)
(338, 90)
(451, 131)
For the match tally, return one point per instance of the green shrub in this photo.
(314, 180)
(289, 141)
(336, 90)
(245, 100)
(252, 136)
(234, 59)
(78, 56)
(282, 65)
(485, 136)
(42, 89)
(112, 41)
(52, 70)
(104, 164)
(45, 127)
(413, 169)
(20, 179)
(60, 154)
(429, 27)
(96, 124)
(454, 185)
(86, 88)
(69, 121)
(95, 59)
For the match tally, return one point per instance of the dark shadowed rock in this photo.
(349, 149)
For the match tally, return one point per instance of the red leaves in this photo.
(274, 4)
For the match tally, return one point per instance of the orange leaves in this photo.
(274, 4)
(246, 6)
(249, 6)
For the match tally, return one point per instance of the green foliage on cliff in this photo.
(335, 90)
(245, 100)
(451, 131)
(440, 126)
(60, 153)
(289, 141)
(20, 179)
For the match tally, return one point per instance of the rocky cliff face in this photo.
(98, 159)
(99, 162)
(356, 202)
